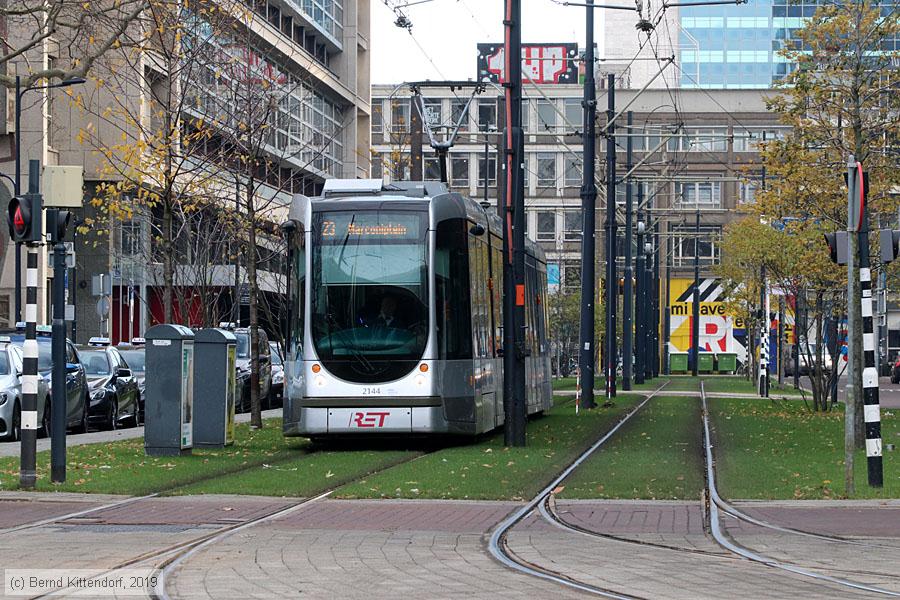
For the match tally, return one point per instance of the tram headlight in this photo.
(419, 380)
(319, 380)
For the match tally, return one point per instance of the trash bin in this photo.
(214, 392)
(726, 362)
(678, 362)
(705, 364)
(168, 406)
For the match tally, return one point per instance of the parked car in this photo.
(277, 373)
(135, 357)
(243, 368)
(76, 381)
(114, 389)
(895, 370)
(11, 395)
(807, 361)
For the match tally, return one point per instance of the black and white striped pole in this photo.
(872, 411)
(30, 234)
(763, 335)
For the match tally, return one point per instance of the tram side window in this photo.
(451, 269)
(478, 295)
(497, 277)
(298, 289)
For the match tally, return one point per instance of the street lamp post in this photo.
(17, 187)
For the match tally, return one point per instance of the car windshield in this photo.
(4, 362)
(243, 345)
(45, 362)
(95, 362)
(135, 359)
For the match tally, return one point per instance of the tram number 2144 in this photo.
(371, 391)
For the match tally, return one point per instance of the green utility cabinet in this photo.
(705, 364)
(726, 362)
(678, 362)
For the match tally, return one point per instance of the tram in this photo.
(395, 314)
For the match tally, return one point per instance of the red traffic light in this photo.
(21, 214)
(19, 222)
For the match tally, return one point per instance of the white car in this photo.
(11, 395)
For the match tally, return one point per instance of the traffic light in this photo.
(890, 244)
(837, 246)
(57, 224)
(24, 216)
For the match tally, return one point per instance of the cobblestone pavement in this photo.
(437, 549)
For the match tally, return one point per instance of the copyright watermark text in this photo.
(79, 582)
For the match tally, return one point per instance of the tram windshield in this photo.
(369, 309)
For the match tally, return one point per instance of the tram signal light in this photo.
(23, 215)
(57, 224)
(890, 244)
(838, 246)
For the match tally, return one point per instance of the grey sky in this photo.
(448, 31)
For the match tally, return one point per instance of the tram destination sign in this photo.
(340, 226)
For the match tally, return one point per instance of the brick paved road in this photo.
(423, 549)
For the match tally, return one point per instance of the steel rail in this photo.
(716, 503)
(497, 545)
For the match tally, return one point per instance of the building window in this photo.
(574, 172)
(546, 226)
(457, 110)
(131, 243)
(398, 163)
(699, 194)
(546, 115)
(459, 170)
(749, 139)
(574, 114)
(377, 167)
(487, 115)
(399, 116)
(573, 225)
(377, 117)
(546, 169)
(491, 170)
(432, 168)
(707, 139)
(686, 242)
(748, 192)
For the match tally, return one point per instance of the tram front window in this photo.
(369, 293)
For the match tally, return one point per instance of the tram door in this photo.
(482, 353)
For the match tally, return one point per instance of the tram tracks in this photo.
(717, 507)
(169, 558)
(498, 544)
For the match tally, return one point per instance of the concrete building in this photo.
(311, 59)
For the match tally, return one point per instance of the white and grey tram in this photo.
(395, 313)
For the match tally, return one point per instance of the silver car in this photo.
(11, 395)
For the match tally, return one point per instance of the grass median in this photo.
(654, 456)
(121, 467)
(488, 470)
(781, 450)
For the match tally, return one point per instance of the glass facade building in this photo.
(736, 46)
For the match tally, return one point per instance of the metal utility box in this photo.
(678, 362)
(706, 362)
(726, 362)
(168, 406)
(215, 388)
